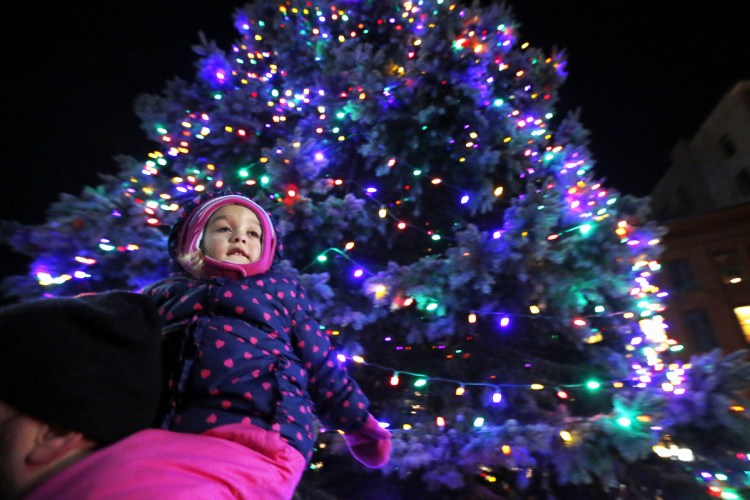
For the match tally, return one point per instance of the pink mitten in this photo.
(370, 444)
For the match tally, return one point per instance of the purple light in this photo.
(358, 273)
(504, 321)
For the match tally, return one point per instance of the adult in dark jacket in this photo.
(80, 387)
(247, 356)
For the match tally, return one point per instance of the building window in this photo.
(743, 316)
(681, 274)
(701, 333)
(680, 203)
(743, 181)
(727, 146)
(728, 264)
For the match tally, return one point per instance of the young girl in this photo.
(245, 359)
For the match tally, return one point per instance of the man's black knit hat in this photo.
(90, 363)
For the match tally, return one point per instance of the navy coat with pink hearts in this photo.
(247, 350)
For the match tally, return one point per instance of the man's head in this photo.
(75, 373)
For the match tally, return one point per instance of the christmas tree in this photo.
(496, 301)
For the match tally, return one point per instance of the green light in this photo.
(498, 102)
(676, 348)
(624, 421)
(435, 237)
(161, 130)
(264, 180)
(420, 382)
(585, 229)
(243, 173)
(599, 309)
(340, 115)
(432, 306)
(417, 172)
(322, 257)
(593, 384)
(479, 422)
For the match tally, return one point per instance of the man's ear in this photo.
(52, 444)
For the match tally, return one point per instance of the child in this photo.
(247, 361)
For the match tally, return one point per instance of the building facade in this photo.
(704, 202)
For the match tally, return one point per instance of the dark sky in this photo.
(644, 74)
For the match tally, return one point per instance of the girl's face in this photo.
(233, 234)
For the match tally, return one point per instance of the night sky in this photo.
(644, 74)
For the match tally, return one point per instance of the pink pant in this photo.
(226, 463)
(275, 464)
